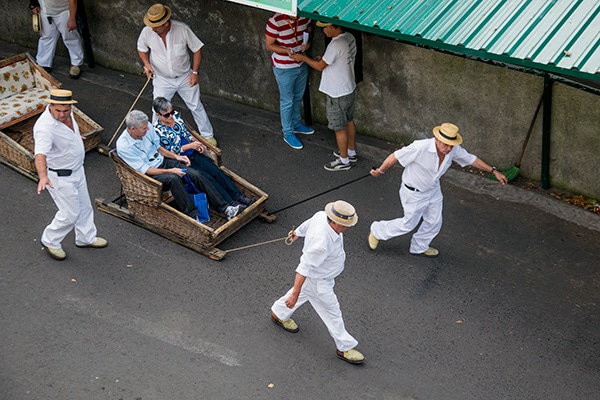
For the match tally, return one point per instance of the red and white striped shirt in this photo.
(287, 33)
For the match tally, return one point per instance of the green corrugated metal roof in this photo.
(557, 36)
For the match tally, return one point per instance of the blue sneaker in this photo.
(303, 129)
(293, 141)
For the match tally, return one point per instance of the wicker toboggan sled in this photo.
(23, 87)
(142, 203)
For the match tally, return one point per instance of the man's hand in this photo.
(305, 46)
(148, 71)
(376, 172)
(298, 57)
(177, 171)
(43, 182)
(500, 177)
(194, 79)
(72, 23)
(290, 302)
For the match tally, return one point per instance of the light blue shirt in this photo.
(140, 154)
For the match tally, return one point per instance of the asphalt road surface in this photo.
(508, 311)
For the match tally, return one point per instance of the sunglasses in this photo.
(167, 115)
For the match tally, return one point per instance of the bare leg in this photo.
(341, 138)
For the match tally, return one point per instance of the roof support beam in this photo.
(546, 129)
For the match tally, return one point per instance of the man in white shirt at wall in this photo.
(163, 48)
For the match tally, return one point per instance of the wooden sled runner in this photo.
(23, 87)
(145, 206)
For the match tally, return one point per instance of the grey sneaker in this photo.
(353, 158)
(232, 211)
(337, 165)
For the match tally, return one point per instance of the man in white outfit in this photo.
(424, 162)
(322, 260)
(59, 154)
(58, 18)
(163, 48)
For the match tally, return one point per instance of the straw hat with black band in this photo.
(157, 15)
(447, 133)
(60, 96)
(342, 213)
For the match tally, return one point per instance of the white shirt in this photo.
(323, 253)
(62, 146)
(420, 162)
(140, 154)
(173, 60)
(338, 79)
(52, 8)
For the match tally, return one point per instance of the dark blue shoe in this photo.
(303, 129)
(245, 200)
(293, 141)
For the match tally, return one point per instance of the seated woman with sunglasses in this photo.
(175, 137)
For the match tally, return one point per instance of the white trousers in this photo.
(70, 194)
(167, 87)
(319, 293)
(427, 205)
(49, 38)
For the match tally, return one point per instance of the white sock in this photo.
(351, 153)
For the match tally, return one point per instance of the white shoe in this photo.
(353, 158)
(232, 211)
(337, 165)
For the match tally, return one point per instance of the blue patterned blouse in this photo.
(170, 137)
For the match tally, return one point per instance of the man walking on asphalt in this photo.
(424, 162)
(163, 48)
(58, 19)
(339, 84)
(322, 260)
(59, 155)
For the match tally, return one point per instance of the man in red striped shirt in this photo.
(285, 36)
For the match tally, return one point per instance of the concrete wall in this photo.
(406, 90)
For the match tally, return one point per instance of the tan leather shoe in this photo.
(352, 356)
(373, 241)
(430, 252)
(74, 72)
(98, 243)
(58, 254)
(288, 325)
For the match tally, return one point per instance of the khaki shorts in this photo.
(340, 111)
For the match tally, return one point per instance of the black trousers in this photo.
(176, 185)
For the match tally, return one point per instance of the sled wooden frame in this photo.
(16, 137)
(146, 208)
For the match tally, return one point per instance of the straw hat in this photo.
(60, 96)
(341, 212)
(322, 24)
(157, 15)
(448, 133)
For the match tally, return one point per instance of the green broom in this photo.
(514, 171)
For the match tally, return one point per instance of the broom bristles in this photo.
(510, 173)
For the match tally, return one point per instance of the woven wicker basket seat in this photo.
(145, 207)
(23, 86)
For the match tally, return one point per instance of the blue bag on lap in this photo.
(199, 199)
